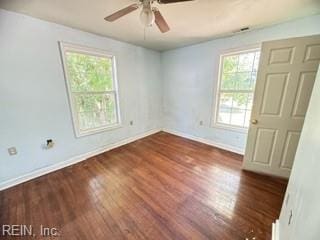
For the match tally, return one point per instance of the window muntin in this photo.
(92, 86)
(238, 73)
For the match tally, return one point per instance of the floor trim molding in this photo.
(76, 159)
(275, 230)
(205, 141)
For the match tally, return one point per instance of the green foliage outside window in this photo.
(237, 82)
(91, 82)
(89, 73)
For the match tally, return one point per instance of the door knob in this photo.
(254, 121)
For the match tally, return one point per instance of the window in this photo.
(237, 78)
(91, 81)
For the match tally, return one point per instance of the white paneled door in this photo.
(286, 75)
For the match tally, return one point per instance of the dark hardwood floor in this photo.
(160, 187)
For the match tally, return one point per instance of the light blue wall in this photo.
(174, 89)
(190, 75)
(304, 182)
(33, 98)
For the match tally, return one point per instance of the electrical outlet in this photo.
(131, 122)
(12, 151)
(49, 144)
(201, 123)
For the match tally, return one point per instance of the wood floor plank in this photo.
(160, 187)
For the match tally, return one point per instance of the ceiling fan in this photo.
(148, 15)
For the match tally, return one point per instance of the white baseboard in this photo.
(206, 141)
(42, 171)
(275, 230)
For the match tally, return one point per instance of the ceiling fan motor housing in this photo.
(147, 17)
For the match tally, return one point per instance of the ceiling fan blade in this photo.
(161, 23)
(121, 13)
(172, 1)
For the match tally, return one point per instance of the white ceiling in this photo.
(190, 22)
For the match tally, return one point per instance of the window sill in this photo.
(230, 128)
(97, 130)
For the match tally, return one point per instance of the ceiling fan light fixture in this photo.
(147, 17)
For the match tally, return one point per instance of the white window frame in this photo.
(65, 47)
(230, 52)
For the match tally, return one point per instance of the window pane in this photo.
(243, 81)
(91, 102)
(91, 120)
(230, 64)
(89, 73)
(250, 101)
(237, 83)
(240, 100)
(246, 62)
(96, 110)
(224, 115)
(226, 100)
(225, 108)
(238, 116)
(228, 81)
